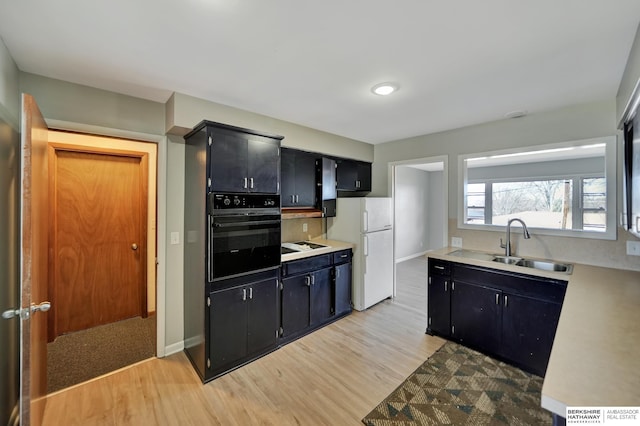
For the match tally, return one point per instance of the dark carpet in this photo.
(77, 357)
(459, 386)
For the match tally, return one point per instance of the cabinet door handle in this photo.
(251, 183)
(250, 293)
(439, 267)
(293, 199)
(337, 273)
(307, 281)
(244, 294)
(313, 279)
(245, 183)
(506, 301)
(297, 198)
(497, 299)
(445, 286)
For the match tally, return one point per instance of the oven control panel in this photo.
(243, 201)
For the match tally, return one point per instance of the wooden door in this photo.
(34, 263)
(98, 236)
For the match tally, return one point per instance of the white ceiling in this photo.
(458, 63)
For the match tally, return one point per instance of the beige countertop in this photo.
(595, 360)
(332, 246)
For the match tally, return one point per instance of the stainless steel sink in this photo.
(509, 260)
(546, 265)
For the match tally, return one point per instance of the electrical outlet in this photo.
(633, 248)
(456, 242)
(175, 238)
(305, 228)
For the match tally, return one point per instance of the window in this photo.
(549, 203)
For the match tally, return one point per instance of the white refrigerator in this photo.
(367, 223)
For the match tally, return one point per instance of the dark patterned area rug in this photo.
(459, 386)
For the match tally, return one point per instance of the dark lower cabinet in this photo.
(296, 305)
(475, 316)
(342, 296)
(511, 316)
(243, 324)
(527, 334)
(314, 291)
(320, 310)
(438, 298)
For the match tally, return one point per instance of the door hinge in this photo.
(208, 301)
(208, 362)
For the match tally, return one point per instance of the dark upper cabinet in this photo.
(241, 160)
(326, 192)
(353, 176)
(298, 178)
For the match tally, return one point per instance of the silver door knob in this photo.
(42, 307)
(134, 246)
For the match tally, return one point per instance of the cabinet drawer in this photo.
(343, 256)
(439, 267)
(524, 285)
(305, 265)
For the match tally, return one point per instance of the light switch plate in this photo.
(633, 248)
(175, 238)
(456, 242)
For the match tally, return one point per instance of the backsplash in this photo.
(292, 229)
(606, 253)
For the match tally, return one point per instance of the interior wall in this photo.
(184, 112)
(585, 121)
(9, 237)
(412, 199)
(630, 78)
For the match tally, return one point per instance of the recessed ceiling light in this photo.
(384, 89)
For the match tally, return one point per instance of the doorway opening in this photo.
(420, 201)
(102, 245)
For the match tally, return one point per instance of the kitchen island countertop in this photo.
(595, 360)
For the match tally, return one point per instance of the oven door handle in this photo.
(246, 223)
(210, 249)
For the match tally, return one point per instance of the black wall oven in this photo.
(244, 234)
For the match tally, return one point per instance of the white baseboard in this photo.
(413, 256)
(173, 349)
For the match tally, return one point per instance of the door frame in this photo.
(161, 209)
(391, 169)
(143, 157)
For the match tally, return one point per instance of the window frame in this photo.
(610, 174)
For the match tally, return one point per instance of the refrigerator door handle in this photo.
(366, 246)
(365, 221)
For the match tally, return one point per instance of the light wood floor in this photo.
(333, 376)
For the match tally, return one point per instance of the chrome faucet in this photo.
(507, 246)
